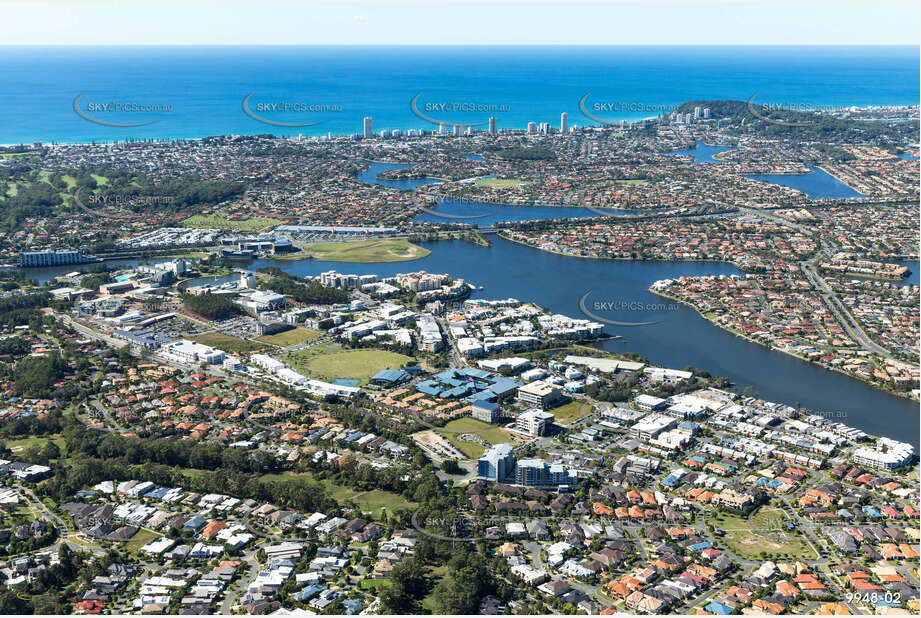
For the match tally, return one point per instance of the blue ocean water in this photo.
(199, 91)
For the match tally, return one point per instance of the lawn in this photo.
(368, 501)
(360, 365)
(765, 531)
(389, 250)
(500, 183)
(230, 344)
(221, 222)
(142, 538)
(291, 337)
(17, 445)
(490, 433)
(569, 412)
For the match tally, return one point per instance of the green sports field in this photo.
(390, 250)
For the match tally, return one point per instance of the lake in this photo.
(682, 337)
(817, 185)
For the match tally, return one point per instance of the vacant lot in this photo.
(500, 183)
(221, 222)
(371, 502)
(390, 250)
(490, 433)
(764, 531)
(291, 337)
(325, 364)
(233, 345)
(569, 412)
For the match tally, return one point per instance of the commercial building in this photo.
(492, 126)
(652, 425)
(887, 455)
(485, 411)
(497, 463)
(531, 472)
(368, 128)
(32, 259)
(539, 393)
(262, 300)
(534, 422)
(564, 123)
(192, 352)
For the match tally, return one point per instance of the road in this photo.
(110, 422)
(844, 318)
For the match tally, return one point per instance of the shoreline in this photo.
(621, 259)
(902, 395)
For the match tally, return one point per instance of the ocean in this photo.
(189, 92)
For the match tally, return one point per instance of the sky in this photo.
(131, 22)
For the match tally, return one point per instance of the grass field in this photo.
(390, 250)
(765, 531)
(221, 222)
(500, 183)
(291, 337)
(569, 412)
(230, 344)
(326, 364)
(368, 501)
(17, 445)
(142, 538)
(490, 433)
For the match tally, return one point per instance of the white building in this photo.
(534, 422)
(539, 393)
(191, 352)
(887, 455)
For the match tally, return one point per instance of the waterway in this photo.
(702, 153)
(480, 213)
(682, 337)
(819, 184)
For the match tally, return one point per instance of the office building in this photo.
(534, 422)
(191, 352)
(564, 123)
(887, 455)
(485, 411)
(652, 425)
(368, 130)
(492, 126)
(537, 472)
(31, 259)
(532, 128)
(539, 393)
(497, 463)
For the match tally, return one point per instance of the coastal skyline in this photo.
(447, 23)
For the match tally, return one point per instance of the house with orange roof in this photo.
(599, 508)
(833, 609)
(212, 528)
